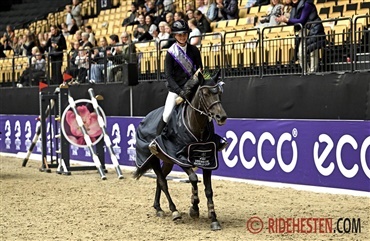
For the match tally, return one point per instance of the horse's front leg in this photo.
(166, 169)
(193, 178)
(162, 183)
(215, 225)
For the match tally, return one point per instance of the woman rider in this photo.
(181, 63)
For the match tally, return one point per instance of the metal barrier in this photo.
(270, 51)
(361, 42)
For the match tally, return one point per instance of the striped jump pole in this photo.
(107, 140)
(37, 134)
(87, 139)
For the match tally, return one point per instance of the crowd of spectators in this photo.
(151, 20)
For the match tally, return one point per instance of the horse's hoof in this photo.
(153, 148)
(215, 226)
(193, 213)
(160, 214)
(176, 215)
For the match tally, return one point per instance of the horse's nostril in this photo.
(221, 118)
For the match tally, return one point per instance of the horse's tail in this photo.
(142, 170)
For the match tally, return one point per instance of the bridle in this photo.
(203, 103)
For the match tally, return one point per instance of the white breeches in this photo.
(168, 106)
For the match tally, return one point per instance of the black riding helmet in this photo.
(180, 26)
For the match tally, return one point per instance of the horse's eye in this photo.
(213, 90)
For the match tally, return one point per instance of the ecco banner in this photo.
(310, 152)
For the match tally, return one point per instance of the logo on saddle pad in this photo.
(203, 155)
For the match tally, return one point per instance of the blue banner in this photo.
(309, 152)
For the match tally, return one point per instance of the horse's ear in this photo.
(201, 78)
(216, 76)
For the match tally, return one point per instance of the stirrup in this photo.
(153, 147)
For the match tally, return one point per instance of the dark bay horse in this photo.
(198, 114)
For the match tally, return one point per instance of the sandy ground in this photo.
(48, 206)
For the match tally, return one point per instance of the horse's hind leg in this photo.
(193, 178)
(166, 169)
(162, 183)
(215, 225)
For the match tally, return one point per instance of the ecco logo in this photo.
(266, 136)
(348, 172)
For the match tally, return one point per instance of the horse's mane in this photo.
(194, 83)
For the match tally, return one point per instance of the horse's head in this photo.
(209, 93)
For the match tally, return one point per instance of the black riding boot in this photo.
(160, 126)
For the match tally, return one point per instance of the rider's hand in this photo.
(179, 100)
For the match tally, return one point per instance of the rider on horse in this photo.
(183, 61)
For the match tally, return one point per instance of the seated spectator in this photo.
(190, 14)
(303, 12)
(6, 41)
(113, 55)
(91, 33)
(201, 6)
(141, 10)
(169, 18)
(229, 9)
(160, 14)
(72, 68)
(64, 30)
(74, 27)
(98, 60)
(42, 43)
(35, 71)
(148, 30)
(132, 19)
(150, 10)
(162, 35)
(82, 62)
(168, 6)
(189, 6)
(220, 15)
(17, 46)
(126, 54)
(9, 34)
(141, 28)
(275, 10)
(195, 36)
(287, 8)
(212, 10)
(167, 29)
(85, 40)
(76, 37)
(202, 23)
(178, 15)
(28, 44)
(128, 50)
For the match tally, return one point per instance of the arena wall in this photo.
(345, 96)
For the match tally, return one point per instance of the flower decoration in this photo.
(90, 121)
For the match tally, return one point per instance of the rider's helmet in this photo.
(180, 26)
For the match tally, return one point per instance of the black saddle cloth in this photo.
(176, 141)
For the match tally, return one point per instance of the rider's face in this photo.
(181, 38)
